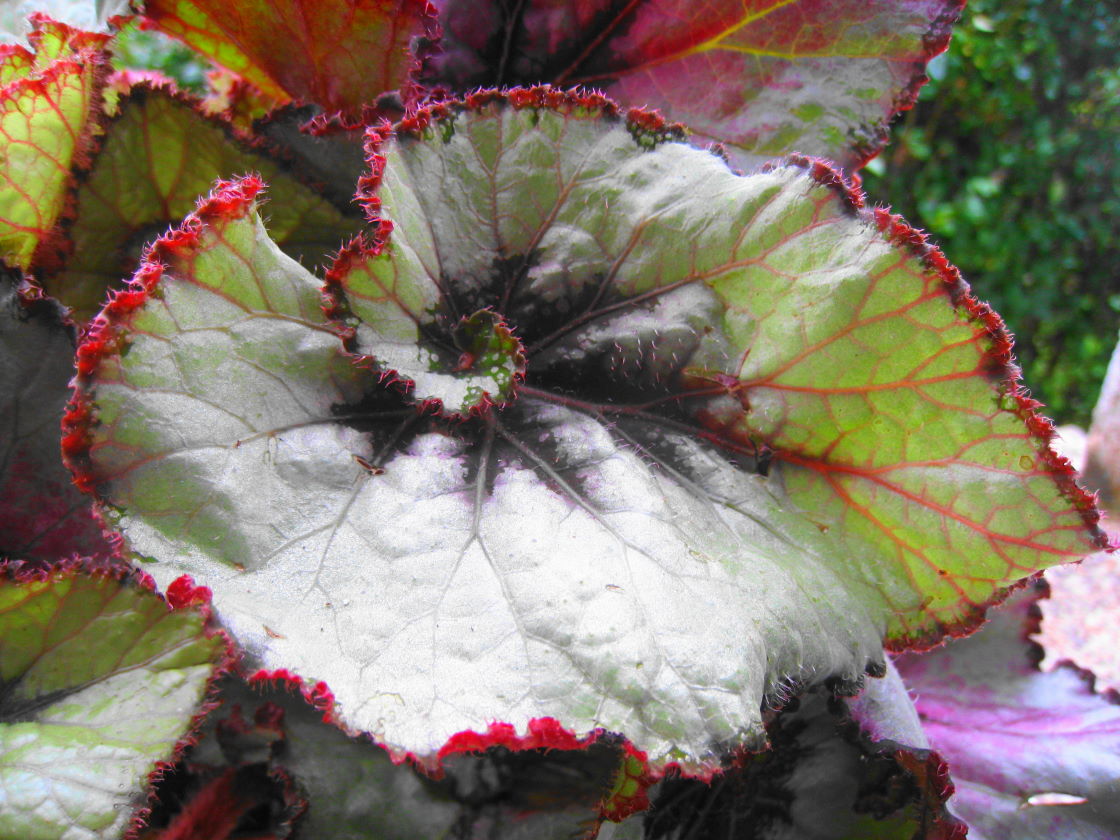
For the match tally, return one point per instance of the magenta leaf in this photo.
(723, 472)
(763, 78)
(42, 515)
(1032, 754)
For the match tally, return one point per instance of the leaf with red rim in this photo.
(99, 681)
(1032, 754)
(822, 778)
(763, 78)
(681, 510)
(542, 785)
(42, 515)
(159, 154)
(352, 50)
(49, 109)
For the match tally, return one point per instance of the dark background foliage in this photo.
(1010, 161)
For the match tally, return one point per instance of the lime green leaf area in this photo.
(50, 99)
(99, 680)
(159, 154)
(759, 431)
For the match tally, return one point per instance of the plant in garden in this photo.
(573, 478)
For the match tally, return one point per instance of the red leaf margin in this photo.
(37, 304)
(997, 363)
(90, 49)
(540, 734)
(52, 258)
(110, 569)
(107, 332)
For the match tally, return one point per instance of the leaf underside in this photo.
(99, 680)
(754, 437)
(820, 77)
(1034, 755)
(159, 154)
(42, 515)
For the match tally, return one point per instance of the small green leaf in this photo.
(137, 187)
(99, 680)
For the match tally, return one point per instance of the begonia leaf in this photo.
(42, 515)
(760, 429)
(16, 16)
(763, 78)
(50, 102)
(351, 51)
(328, 150)
(138, 187)
(99, 681)
(353, 790)
(822, 778)
(1034, 755)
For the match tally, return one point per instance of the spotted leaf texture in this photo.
(159, 154)
(99, 680)
(759, 430)
(762, 77)
(351, 51)
(1033, 754)
(42, 515)
(50, 99)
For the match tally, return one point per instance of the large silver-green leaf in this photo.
(605, 542)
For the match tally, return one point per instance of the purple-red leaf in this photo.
(764, 78)
(340, 54)
(1034, 755)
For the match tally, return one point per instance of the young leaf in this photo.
(138, 186)
(351, 51)
(603, 545)
(42, 515)
(99, 681)
(1032, 754)
(50, 100)
(819, 77)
